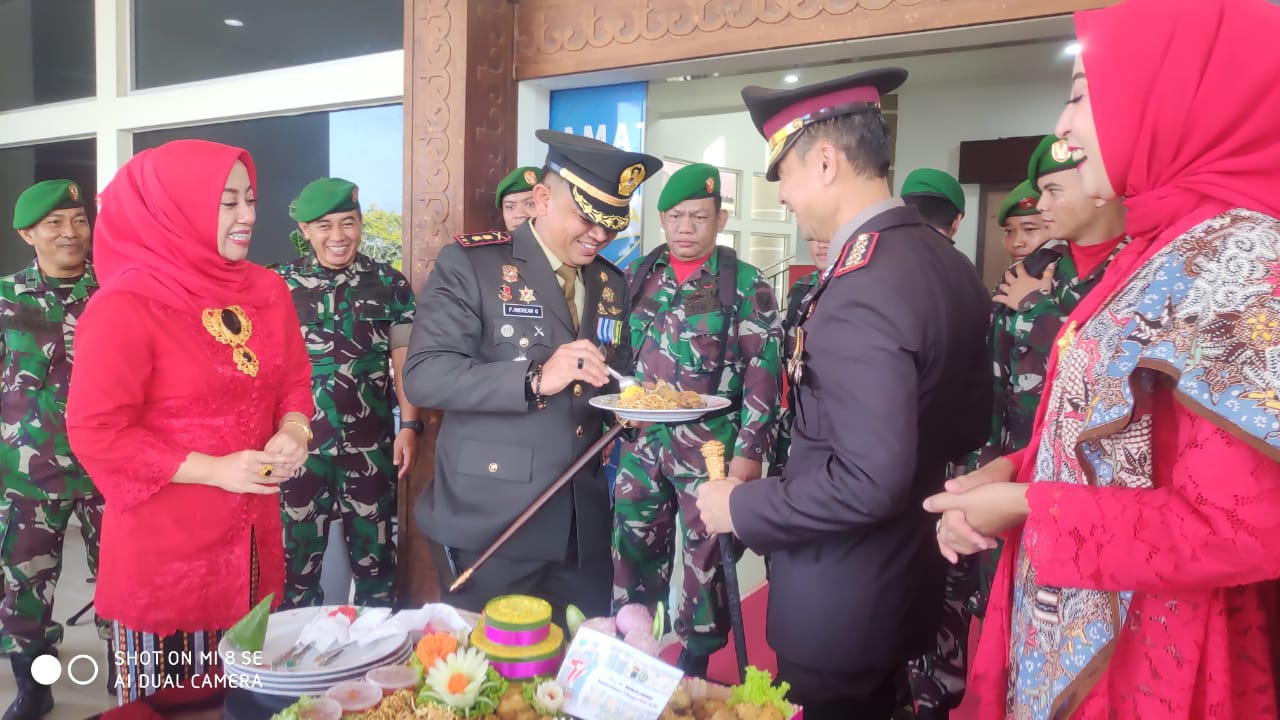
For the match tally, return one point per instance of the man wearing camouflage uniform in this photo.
(43, 484)
(1030, 305)
(682, 333)
(354, 312)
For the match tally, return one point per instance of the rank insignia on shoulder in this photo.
(470, 240)
(856, 254)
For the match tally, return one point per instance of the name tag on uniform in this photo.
(527, 311)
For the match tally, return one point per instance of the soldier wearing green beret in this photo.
(43, 483)
(1019, 220)
(356, 315)
(937, 679)
(1031, 303)
(514, 196)
(684, 332)
(938, 197)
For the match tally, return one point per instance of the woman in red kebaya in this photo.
(1138, 577)
(189, 403)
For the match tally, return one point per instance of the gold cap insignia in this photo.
(1027, 203)
(1060, 151)
(74, 192)
(711, 185)
(355, 195)
(530, 177)
(630, 179)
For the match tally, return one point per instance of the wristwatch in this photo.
(415, 425)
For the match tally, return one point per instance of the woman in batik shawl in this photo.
(1142, 524)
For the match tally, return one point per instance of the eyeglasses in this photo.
(698, 219)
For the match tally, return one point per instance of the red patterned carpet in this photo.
(723, 667)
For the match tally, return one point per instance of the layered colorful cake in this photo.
(517, 635)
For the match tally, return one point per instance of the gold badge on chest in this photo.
(231, 326)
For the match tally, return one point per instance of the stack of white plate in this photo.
(305, 677)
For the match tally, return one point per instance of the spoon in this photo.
(624, 382)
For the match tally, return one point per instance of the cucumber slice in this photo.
(659, 620)
(573, 617)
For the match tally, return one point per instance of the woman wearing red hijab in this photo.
(189, 402)
(1137, 577)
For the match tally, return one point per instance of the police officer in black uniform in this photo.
(892, 379)
(508, 342)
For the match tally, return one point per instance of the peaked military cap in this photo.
(43, 198)
(691, 182)
(934, 183)
(1021, 201)
(324, 196)
(1051, 155)
(601, 177)
(522, 179)
(781, 115)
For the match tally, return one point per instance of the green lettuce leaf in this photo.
(758, 690)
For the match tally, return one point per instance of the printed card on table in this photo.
(606, 679)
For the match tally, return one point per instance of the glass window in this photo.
(22, 167)
(363, 145)
(46, 52)
(177, 41)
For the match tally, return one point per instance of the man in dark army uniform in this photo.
(356, 315)
(511, 340)
(41, 482)
(892, 380)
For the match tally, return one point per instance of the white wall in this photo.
(950, 97)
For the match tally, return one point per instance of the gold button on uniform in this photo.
(493, 467)
(577, 389)
(579, 431)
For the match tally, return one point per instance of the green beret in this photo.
(522, 179)
(43, 198)
(691, 182)
(1051, 155)
(324, 196)
(1021, 201)
(936, 183)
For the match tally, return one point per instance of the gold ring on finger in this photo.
(264, 471)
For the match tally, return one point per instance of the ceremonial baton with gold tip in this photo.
(713, 454)
(594, 451)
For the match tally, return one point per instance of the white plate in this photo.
(283, 629)
(610, 403)
(264, 686)
(332, 673)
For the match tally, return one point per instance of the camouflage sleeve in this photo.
(401, 310)
(295, 390)
(760, 339)
(1034, 306)
(1001, 364)
(107, 400)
